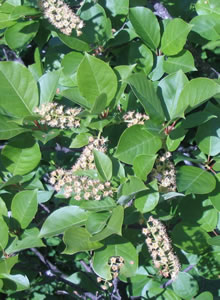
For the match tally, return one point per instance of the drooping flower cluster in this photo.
(54, 115)
(86, 159)
(133, 118)
(61, 16)
(116, 263)
(164, 172)
(160, 249)
(81, 187)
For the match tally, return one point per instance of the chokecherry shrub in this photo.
(110, 149)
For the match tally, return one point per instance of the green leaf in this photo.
(24, 207)
(185, 286)
(147, 201)
(174, 36)
(74, 42)
(145, 92)
(74, 95)
(102, 205)
(18, 90)
(171, 88)
(143, 164)
(28, 239)
(205, 8)
(80, 140)
(99, 104)
(146, 25)
(190, 238)
(3, 234)
(91, 81)
(21, 34)
(208, 137)
(116, 8)
(115, 246)
(158, 70)
(97, 29)
(48, 84)
(21, 155)
(9, 129)
(132, 186)
(215, 241)
(13, 180)
(195, 180)
(78, 239)
(97, 221)
(6, 264)
(204, 296)
(214, 196)
(22, 11)
(134, 141)
(103, 164)
(21, 282)
(64, 218)
(183, 61)
(114, 225)
(209, 265)
(207, 26)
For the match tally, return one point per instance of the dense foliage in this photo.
(110, 149)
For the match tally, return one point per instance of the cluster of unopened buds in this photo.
(61, 16)
(55, 116)
(133, 118)
(159, 246)
(164, 172)
(116, 263)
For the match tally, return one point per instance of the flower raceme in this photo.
(55, 116)
(159, 246)
(61, 16)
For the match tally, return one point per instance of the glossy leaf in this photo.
(80, 140)
(3, 234)
(115, 246)
(24, 207)
(21, 155)
(91, 81)
(208, 137)
(18, 90)
(171, 87)
(114, 225)
(78, 239)
(209, 265)
(64, 218)
(48, 85)
(204, 296)
(185, 286)
(9, 129)
(145, 92)
(207, 26)
(190, 238)
(97, 221)
(143, 164)
(102, 205)
(146, 201)
(103, 165)
(21, 282)
(115, 7)
(28, 239)
(134, 141)
(146, 26)
(20, 34)
(195, 180)
(182, 61)
(206, 8)
(174, 36)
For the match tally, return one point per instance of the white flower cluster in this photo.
(81, 187)
(160, 249)
(133, 118)
(116, 263)
(86, 159)
(61, 16)
(164, 172)
(54, 115)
